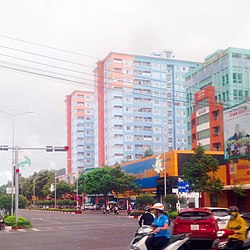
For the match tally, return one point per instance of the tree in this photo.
(105, 180)
(200, 172)
(3, 189)
(5, 202)
(62, 188)
(171, 200)
(144, 200)
(148, 152)
(38, 184)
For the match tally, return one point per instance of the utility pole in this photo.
(55, 188)
(16, 183)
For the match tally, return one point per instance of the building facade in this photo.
(228, 71)
(141, 105)
(207, 121)
(152, 183)
(80, 131)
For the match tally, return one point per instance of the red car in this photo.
(202, 225)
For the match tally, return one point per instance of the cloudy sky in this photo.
(48, 48)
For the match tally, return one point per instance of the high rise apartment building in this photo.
(228, 71)
(80, 131)
(141, 105)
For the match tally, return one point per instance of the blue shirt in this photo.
(160, 222)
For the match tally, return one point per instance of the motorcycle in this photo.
(222, 239)
(116, 211)
(105, 211)
(176, 242)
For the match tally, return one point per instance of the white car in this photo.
(221, 216)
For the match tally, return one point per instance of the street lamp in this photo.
(164, 158)
(13, 115)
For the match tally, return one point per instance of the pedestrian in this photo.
(161, 229)
(239, 226)
(146, 218)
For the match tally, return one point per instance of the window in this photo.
(204, 134)
(236, 55)
(202, 119)
(128, 137)
(129, 147)
(234, 77)
(203, 103)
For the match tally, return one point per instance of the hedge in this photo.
(22, 222)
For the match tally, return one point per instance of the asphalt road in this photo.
(58, 231)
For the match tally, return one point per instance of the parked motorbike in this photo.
(105, 211)
(116, 211)
(176, 241)
(1, 222)
(222, 239)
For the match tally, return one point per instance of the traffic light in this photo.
(58, 149)
(4, 147)
(49, 148)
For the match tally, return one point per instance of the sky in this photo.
(49, 48)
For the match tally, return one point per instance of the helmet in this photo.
(158, 206)
(147, 208)
(233, 209)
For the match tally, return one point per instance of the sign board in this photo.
(183, 187)
(52, 188)
(8, 190)
(237, 131)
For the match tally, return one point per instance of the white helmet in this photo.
(158, 206)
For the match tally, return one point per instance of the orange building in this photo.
(149, 181)
(236, 191)
(207, 121)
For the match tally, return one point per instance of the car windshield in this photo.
(220, 212)
(194, 216)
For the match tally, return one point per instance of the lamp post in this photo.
(13, 115)
(164, 158)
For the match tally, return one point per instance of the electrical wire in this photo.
(78, 83)
(79, 64)
(49, 47)
(67, 51)
(145, 78)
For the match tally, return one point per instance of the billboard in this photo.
(237, 131)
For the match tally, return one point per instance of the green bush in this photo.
(22, 222)
(66, 202)
(58, 209)
(172, 214)
(136, 212)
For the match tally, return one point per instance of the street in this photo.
(54, 231)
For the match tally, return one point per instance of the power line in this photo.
(49, 47)
(67, 51)
(77, 83)
(112, 71)
(54, 58)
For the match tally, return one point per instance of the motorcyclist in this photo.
(238, 225)
(146, 218)
(116, 209)
(160, 229)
